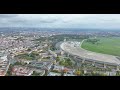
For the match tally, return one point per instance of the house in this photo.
(44, 55)
(53, 53)
(68, 74)
(21, 71)
(4, 65)
(58, 68)
(54, 74)
(44, 65)
(41, 72)
(58, 52)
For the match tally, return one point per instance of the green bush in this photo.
(66, 62)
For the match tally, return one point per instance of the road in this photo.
(98, 57)
(82, 42)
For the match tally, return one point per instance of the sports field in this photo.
(106, 45)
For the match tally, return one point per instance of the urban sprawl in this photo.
(54, 52)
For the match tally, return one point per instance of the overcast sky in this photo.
(100, 21)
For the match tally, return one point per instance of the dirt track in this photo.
(70, 48)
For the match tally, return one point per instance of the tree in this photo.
(9, 72)
(65, 70)
(78, 72)
(93, 41)
(118, 73)
(35, 73)
(17, 63)
(28, 49)
(57, 59)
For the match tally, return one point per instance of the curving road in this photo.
(71, 48)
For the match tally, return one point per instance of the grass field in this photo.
(109, 45)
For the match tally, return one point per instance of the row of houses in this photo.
(43, 65)
(20, 70)
(4, 65)
(57, 71)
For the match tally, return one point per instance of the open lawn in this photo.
(106, 45)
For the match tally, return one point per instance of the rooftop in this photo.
(21, 71)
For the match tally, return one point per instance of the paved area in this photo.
(74, 48)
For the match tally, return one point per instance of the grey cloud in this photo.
(99, 21)
(48, 21)
(8, 15)
(17, 20)
(29, 22)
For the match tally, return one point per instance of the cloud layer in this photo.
(107, 21)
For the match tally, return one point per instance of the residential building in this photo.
(21, 71)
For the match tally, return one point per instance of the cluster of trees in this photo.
(68, 36)
(26, 56)
(57, 59)
(93, 41)
(29, 49)
(94, 73)
(9, 72)
(118, 73)
(58, 38)
(66, 62)
(52, 46)
(36, 73)
(78, 72)
(40, 39)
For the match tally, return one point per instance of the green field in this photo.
(106, 45)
